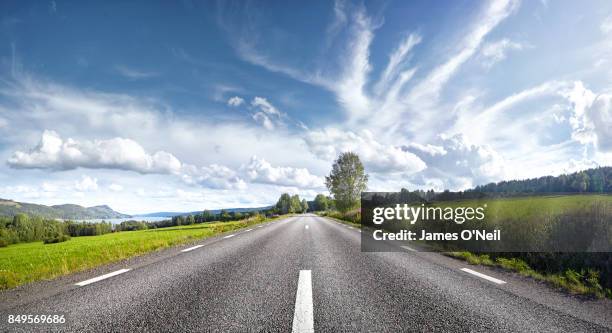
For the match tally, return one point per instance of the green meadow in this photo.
(27, 262)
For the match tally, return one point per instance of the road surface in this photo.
(300, 274)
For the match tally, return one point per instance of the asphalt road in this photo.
(302, 273)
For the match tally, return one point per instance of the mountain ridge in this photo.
(64, 211)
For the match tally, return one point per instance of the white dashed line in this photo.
(483, 276)
(102, 277)
(350, 227)
(408, 248)
(248, 230)
(260, 226)
(192, 248)
(306, 227)
(303, 320)
(229, 236)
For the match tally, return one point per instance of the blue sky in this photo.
(184, 106)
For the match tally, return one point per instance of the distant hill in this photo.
(67, 212)
(212, 211)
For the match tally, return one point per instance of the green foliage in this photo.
(57, 238)
(346, 181)
(284, 204)
(289, 204)
(27, 262)
(296, 204)
(321, 203)
(597, 180)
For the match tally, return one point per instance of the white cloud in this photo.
(115, 187)
(134, 74)
(428, 90)
(591, 119)
(606, 25)
(235, 101)
(213, 176)
(396, 59)
(267, 115)
(86, 184)
(495, 52)
(52, 152)
(327, 144)
(260, 171)
(455, 163)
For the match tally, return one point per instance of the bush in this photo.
(3, 243)
(56, 239)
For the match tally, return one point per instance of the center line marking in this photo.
(192, 248)
(408, 248)
(486, 277)
(102, 277)
(229, 236)
(303, 317)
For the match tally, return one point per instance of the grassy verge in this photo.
(585, 282)
(28, 262)
(351, 218)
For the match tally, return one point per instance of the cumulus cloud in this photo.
(591, 119)
(115, 187)
(266, 114)
(235, 101)
(455, 163)
(52, 152)
(327, 144)
(86, 184)
(261, 171)
(495, 52)
(213, 176)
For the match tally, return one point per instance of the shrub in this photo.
(56, 239)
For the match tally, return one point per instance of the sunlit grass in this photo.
(27, 262)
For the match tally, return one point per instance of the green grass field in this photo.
(533, 206)
(28, 262)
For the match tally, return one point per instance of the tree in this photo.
(304, 206)
(346, 181)
(284, 204)
(296, 204)
(321, 203)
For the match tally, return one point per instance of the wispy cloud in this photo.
(495, 52)
(134, 74)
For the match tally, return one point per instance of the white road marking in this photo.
(192, 248)
(486, 277)
(350, 227)
(303, 317)
(229, 236)
(102, 277)
(408, 248)
(306, 227)
(260, 226)
(248, 230)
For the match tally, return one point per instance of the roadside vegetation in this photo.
(580, 207)
(34, 248)
(32, 261)
(581, 282)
